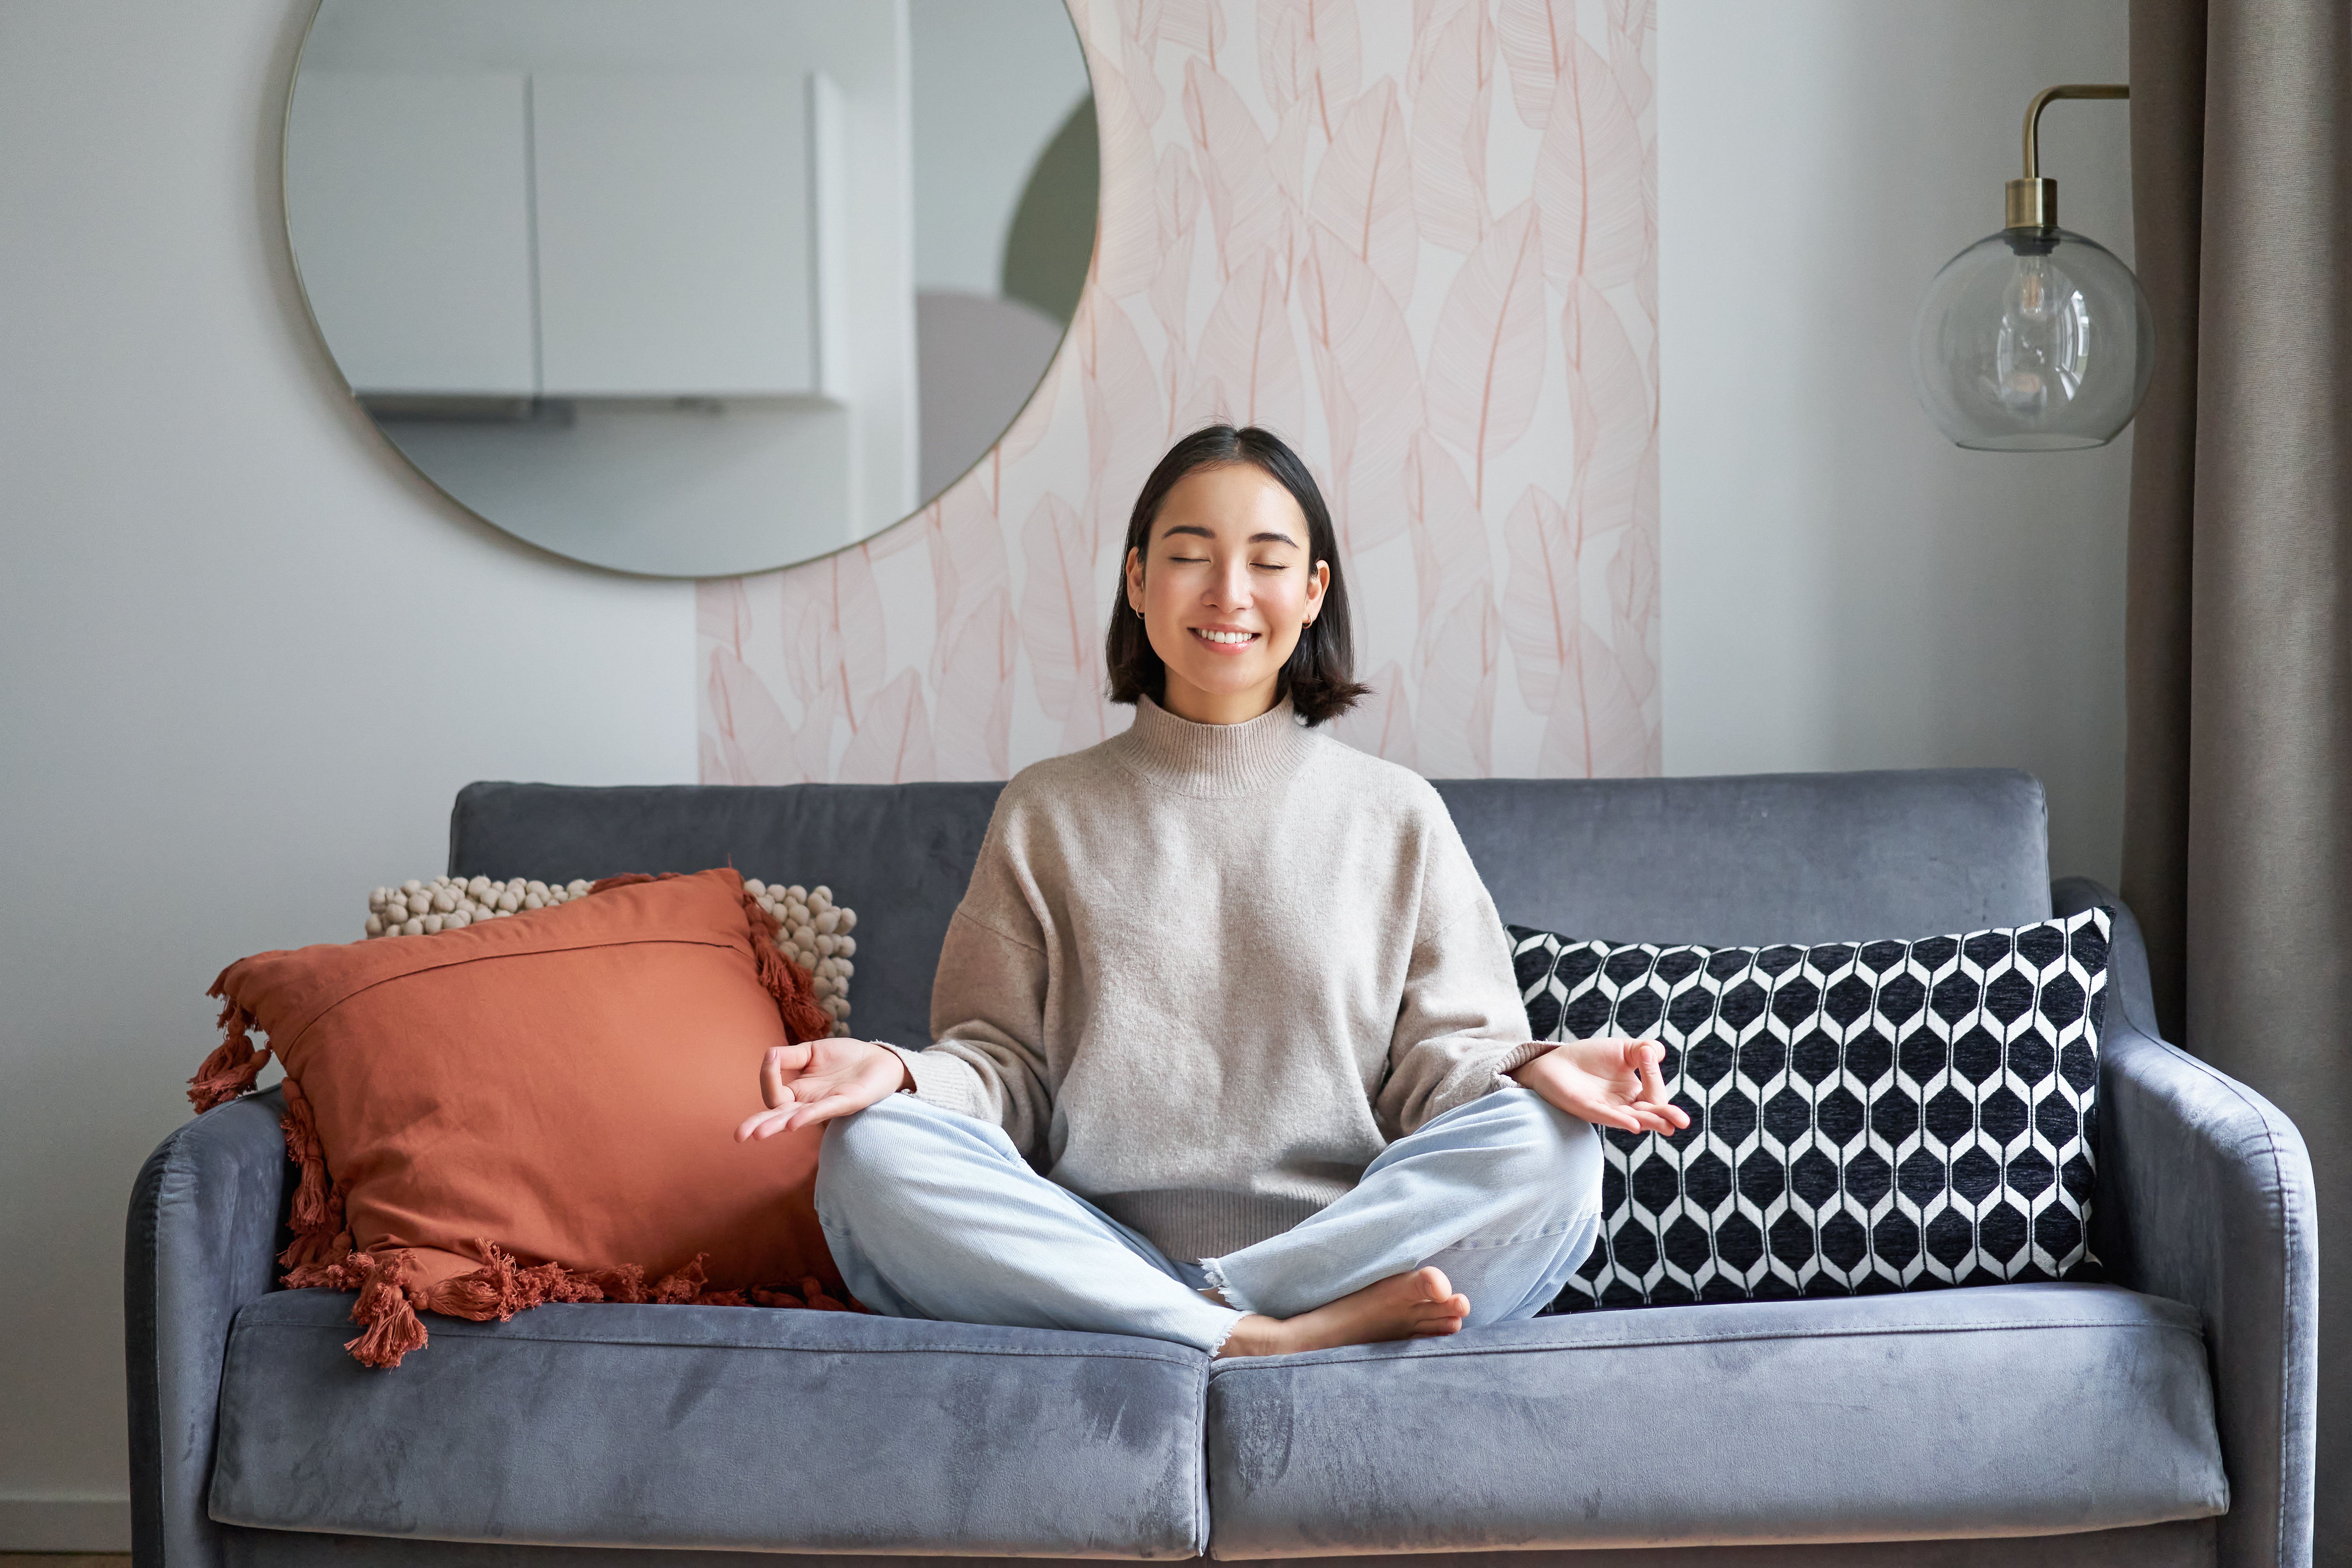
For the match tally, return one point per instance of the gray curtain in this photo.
(2238, 804)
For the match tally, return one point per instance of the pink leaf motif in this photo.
(1122, 398)
(1126, 244)
(831, 620)
(1457, 690)
(1247, 346)
(1485, 363)
(722, 614)
(1058, 625)
(894, 745)
(1311, 51)
(1135, 60)
(1246, 203)
(1363, 189)
(1454, 102)
(1633, 609)
(1542, 614)
(1596, 729)
(1633, 36)
(1178, 204)
(1588, 178)
(1536, 37)
(967, 562)
(1195, 25)
(1450, 554)
(971, 734)
(753, 741)
(1382, 725)
(1610, 404)
(1370, 382)
(1286, 153)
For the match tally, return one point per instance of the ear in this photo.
(1135, 580)
(1319, 582)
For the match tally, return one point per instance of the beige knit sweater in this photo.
(1204, 974)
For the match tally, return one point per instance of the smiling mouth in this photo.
(1224, 638)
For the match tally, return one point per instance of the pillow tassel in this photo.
(315, 1215)
(387, 1306)
(235, 1063)
(786, 981)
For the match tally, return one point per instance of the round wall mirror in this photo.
(691, 287)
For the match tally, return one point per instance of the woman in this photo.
(1229, 1049)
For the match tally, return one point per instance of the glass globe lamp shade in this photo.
(2032, 340)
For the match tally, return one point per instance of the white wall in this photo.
(248, 658)
(1842, 588)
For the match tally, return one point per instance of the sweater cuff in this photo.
(945, 1081)
(1475, 1080)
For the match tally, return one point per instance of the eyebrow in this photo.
(1175, 528)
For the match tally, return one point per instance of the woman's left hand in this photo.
(1611, 1082)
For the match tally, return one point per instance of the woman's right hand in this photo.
(821, 1079)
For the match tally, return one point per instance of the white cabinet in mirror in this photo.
(691, 287)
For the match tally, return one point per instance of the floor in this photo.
(63, 1560)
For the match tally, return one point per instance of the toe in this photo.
(1434, 1285)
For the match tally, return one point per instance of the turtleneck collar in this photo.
(1216, 759)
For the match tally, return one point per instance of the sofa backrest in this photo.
(1804, 857)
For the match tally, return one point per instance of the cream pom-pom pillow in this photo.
(813, 930)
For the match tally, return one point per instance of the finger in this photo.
(760, 1125)
(771, 1080)
(1619, 1117)
(1669, 1117)
(1654, 1086)
(822, 1111)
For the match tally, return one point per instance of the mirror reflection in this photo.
(691, 287)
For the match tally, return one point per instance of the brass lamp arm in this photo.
(2032, 203)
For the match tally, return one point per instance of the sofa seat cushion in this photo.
(715, 1428)
(2004, 1410)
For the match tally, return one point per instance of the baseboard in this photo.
(65, 1524)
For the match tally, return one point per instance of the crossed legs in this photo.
(934, 1215)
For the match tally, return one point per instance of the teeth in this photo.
(1226, 636)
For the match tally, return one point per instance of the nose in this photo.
(1229, 588)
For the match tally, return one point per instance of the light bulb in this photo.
(2032, 340)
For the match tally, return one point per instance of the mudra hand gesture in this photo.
(1610, 1082)
(821, 1079)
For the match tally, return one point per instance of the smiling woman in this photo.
(1233, 596)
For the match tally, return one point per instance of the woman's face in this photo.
(1226, 583)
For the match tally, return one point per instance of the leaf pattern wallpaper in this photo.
(1418, 239)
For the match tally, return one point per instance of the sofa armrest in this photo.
(2205, 1196)
(202, 1241)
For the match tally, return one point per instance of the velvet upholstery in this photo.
(2203, 1199)
(716, 1427)
(2003, 1410)
(1770, 857)
(203, 1239)
(2205, 1196)
(2187, 1544)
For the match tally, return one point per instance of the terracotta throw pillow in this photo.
(538, 1109)
(813, 930)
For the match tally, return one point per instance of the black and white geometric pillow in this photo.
(1866, 1117)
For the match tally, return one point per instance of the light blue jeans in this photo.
(934, 1215)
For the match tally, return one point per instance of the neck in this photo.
(1187, 701)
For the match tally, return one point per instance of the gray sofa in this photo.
(2164, 1417)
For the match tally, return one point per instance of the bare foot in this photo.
(1413, 1305)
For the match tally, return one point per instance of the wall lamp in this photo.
(2034, 339)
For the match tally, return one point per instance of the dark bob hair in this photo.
(1319, 677)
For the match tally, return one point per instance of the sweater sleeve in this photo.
(988, 1006)
(1461, 1024)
